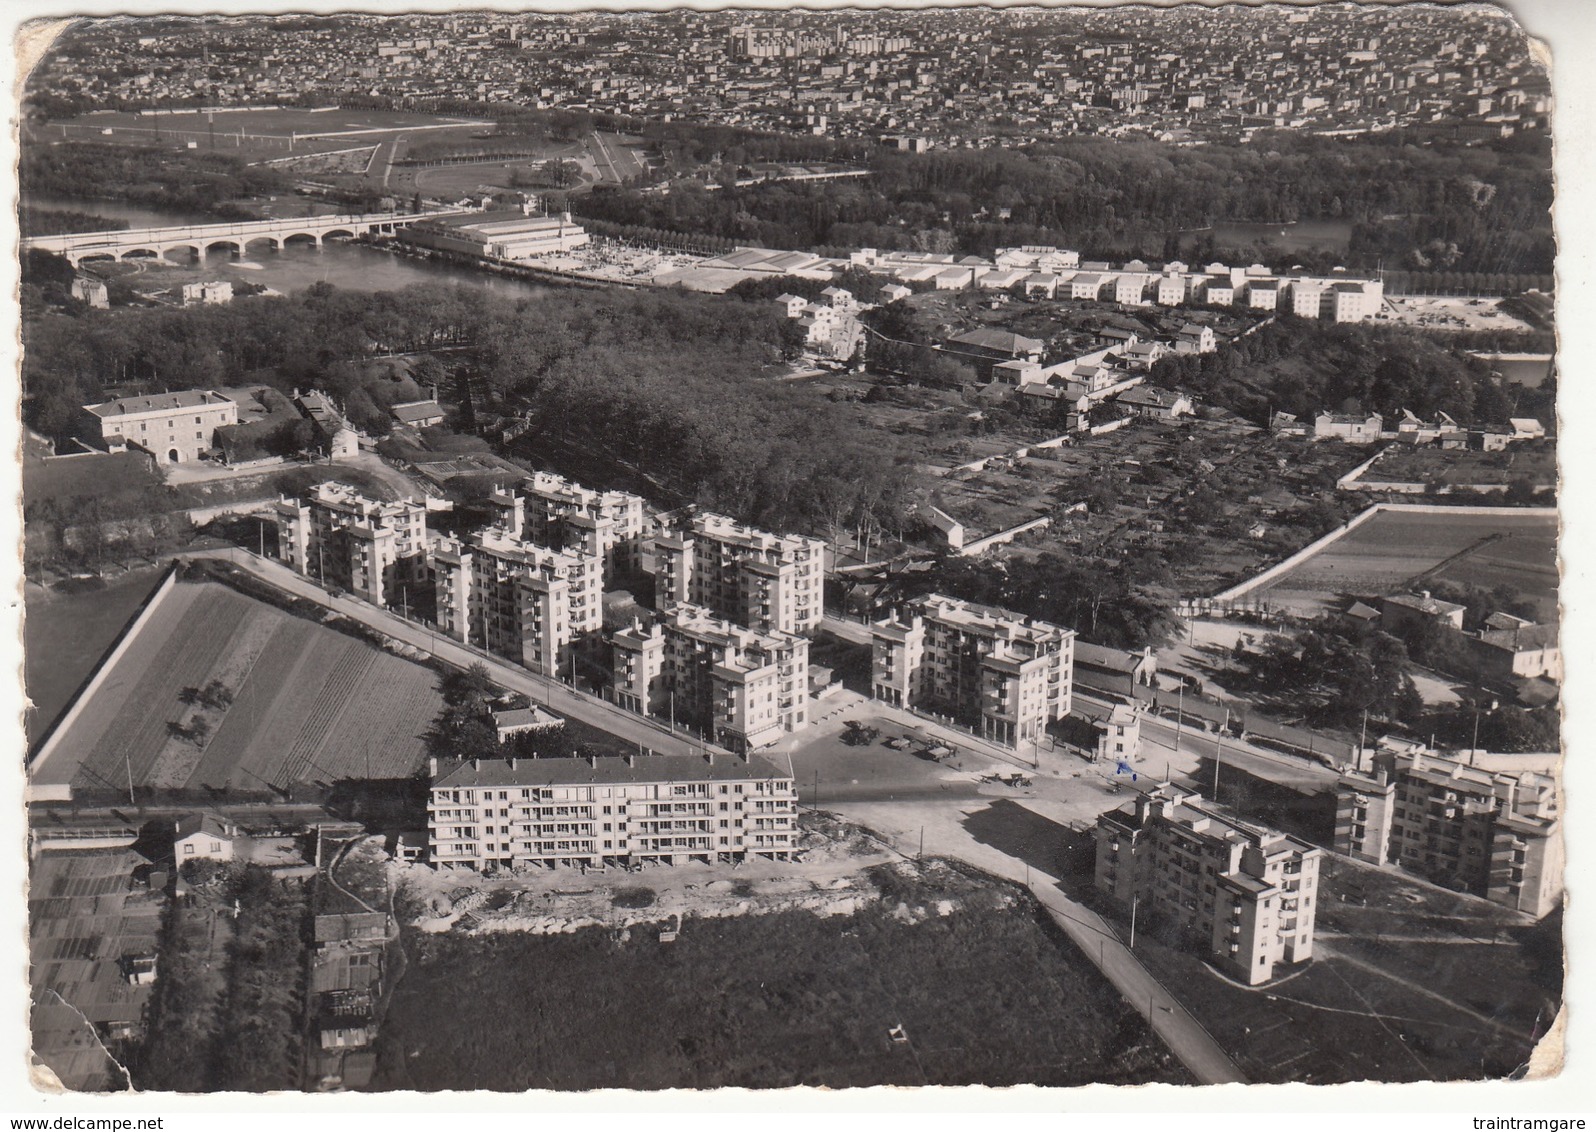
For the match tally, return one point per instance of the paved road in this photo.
(578, 705)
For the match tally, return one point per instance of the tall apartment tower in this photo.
(517, 599)
(548, 509)
(1494, 834)
(1245, 894)
(994, 671)
(372, 548)
(758, 580)
(745, 688)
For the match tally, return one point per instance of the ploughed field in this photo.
(292, 701)
(1397, 550)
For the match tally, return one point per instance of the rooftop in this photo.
(605, 769)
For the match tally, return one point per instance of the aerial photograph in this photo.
(942, 546)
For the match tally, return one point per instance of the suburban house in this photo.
(985, 348)
(518, 721)
(1524, 651)
(1348, 427)
(1398, 611)
(1114, 670)
(1244, 894)
(203, 836)
(175, 428)
(417, 414)
(1194, 339)
(1155, 403)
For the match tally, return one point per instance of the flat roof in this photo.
(607, 769)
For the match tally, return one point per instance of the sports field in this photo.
(306, 704)
(282, 122)
(1399, 550)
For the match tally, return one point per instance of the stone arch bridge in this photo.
(200, 238)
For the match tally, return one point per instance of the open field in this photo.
(632, 1012)
(82, 919)
(1408, 983)
(1400, 550)
(1535, 461)
(271, 133)
(1451, 312)
(308, 704)
(88, 620)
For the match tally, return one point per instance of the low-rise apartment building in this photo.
(175, 428)
(552, 510)
(377, 550)
(609, 811)
(518, 599)
(1244, 895)
(742, 687)
(759, 580)
(1491, 833)
(1005, 676)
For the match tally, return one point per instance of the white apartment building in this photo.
(759, 580)
(374, 549)
(552, 510)
(609, 811)
(1492, 833)
(175, 428)
(743, 687)
(1246, 894)
(518, 599)
(1001, 674)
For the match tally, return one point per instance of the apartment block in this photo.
(1004, 675)
(518, 599)
(551, 510)
(375, 549)
(759, 580)
(742, 687)
(609, 811)
(1492, 833)
(1242, 894)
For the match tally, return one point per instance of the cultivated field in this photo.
(90, 619)
(1403, 550)
(307, 704)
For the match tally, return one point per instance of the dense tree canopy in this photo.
(1438, 206)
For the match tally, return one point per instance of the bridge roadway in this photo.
(78, 246)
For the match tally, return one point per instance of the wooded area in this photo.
(1439, 207)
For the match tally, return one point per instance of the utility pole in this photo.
(1132, 944)
(128, 762)
(1219, 755)
(1180, 711)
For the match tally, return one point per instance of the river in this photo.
(354, 267)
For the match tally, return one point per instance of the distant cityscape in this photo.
(967, 77)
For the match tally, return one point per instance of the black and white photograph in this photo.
(753, 548)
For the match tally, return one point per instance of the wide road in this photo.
(589, 709)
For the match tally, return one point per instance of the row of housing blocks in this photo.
(724, 653)
(1058, 273)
